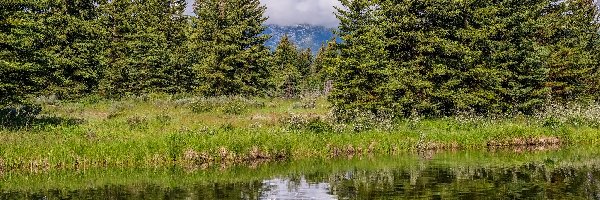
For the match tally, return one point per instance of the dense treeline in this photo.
(400, 57)
(441, 57)
(74, 48)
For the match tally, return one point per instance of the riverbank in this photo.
(160, 132)
(467, 171)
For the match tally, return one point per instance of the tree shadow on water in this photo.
(27, 116)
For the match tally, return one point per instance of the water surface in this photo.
(571, 173)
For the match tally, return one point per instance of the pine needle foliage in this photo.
(442, 57)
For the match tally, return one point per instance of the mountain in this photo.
(303, 35)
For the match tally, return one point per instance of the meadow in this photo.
(154, 131)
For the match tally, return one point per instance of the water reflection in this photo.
(285, 188)
(437, 178)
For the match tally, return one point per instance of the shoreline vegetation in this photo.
(82, 82)
(461, 165)
(198, 133)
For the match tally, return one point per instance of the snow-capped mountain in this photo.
(303, 35)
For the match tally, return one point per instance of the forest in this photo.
(433, 58)
(139, 83)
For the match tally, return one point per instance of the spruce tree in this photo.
(74, 46)
(360, 77)
(286, 69)
(438, 58)
(226, 43)
(21, 59)
(322, 67)
(570, 36)
(141, 40)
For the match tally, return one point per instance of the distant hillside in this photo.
(303, 35)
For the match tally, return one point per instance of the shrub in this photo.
(228, 105)
(312, 123)
(137, 122)
(576, 114)
(18, 116)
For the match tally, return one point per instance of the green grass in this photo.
(163, 132)
(316, 170)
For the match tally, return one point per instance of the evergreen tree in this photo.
(441, 57)
(286, 72)
(226, 42)
(177, 76)
(570, 37)
(48, 47)
(438, 51)
(142, 38)
(361, 75)
(21, 50)
(323, 65)
(74, 48)
(305, 59)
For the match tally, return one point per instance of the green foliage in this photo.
(440, 58)
(321, 70)
(570, 35)
(226, 44)
(289, 68)
(233, 105)
(362, 73)
(144, 47)
(23, 55)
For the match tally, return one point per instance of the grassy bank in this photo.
(162, 131)
(462, 165)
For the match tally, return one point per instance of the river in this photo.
(566, 173)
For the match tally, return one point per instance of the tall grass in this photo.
(462, 164)
(162, 131)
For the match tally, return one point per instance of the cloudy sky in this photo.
(288, 12)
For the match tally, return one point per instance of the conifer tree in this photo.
(21, 50)
(286, 72)
(323, 65)
(570, 36)
(48, 47)
(226, 42)
(361, 75)
(439, 57)
(74, 48)
(183, 78)
(141, 38)
(305, 59)
(437, 52)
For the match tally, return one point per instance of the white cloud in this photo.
(289, 12)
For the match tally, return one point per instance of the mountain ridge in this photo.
(303, 35)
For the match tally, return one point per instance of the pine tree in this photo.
(518, 56)
(570, 35)
(437, 57)
(73, 48)
(286, 69)
(437, 52)
(21, 59)
(177, 75)
(361, 75)
(143, 47)
(322, 68)
(226, 42)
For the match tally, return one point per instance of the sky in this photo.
(290, 12)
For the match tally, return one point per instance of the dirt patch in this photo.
(521, 149)
(525, 142)
(193, 160)
(350, 150)
(432, 146)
